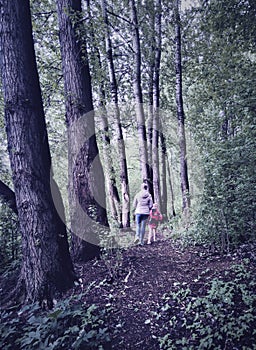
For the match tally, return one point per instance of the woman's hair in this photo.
(144, 186)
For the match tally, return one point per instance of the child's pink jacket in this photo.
(154, 218)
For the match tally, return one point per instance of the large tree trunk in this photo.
(139, 108)
(47, 267)
(117, 121)
(87, 197)
(181, 118)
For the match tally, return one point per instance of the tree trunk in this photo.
(151, 97)
(156, 99)
(87, 198)
(47, 267)
(118, 125)
(181, 118)
(139, 108)
(172, 208)
(150, 131)
(113, 195)
(163, 176)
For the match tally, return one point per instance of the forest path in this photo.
(133, 283)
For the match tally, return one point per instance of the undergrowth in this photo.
(201, 314)
(71, 325)
(223, 317)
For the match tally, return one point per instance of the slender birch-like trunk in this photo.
(164, 198)
(139, 108)
(171, 200)
(151, 96)
(113, 195)
(156, 103)
(117, 120)
(110, 175)
(181, 117)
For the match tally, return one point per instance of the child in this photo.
(154, 217)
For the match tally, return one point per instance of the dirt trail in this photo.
(136, 285)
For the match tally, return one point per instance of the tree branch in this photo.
(8, 197)
(118, 16)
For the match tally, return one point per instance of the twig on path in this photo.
(127, 276)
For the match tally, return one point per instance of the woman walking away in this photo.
(154, 217)
(142, 205)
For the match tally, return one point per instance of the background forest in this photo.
(100, 96)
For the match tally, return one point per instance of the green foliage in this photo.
(223, 317)
(9, 237)
(219, 93)
(70, 325)
(47, 48)
(45, 31)
(228, 203)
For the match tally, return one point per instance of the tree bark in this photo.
(118, 125)
(87, 198)
(47, 267)
(181, 117)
